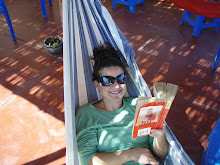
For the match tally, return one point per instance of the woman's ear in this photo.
(96, 84)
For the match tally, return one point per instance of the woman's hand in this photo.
(158, 133)
(142, 156)
(160, 144)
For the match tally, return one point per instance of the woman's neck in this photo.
(105, 105)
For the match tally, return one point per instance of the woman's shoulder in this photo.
(85, 106)
(84, 109)
(83, 117)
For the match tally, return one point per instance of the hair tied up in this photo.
(106, 56)
(103, 52)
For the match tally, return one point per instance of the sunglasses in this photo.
(109, 80)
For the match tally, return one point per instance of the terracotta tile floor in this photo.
(31, 92)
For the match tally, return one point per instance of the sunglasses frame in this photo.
(100, 79)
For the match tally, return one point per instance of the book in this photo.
(151, 112)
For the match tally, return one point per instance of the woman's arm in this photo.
(140, 155)
(160, 144)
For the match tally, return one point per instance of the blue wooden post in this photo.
(50, 2)
(3, 10)
(214, 66)
(43, 7)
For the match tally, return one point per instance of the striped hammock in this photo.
(86, 25)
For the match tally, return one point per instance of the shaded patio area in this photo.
(32, 128)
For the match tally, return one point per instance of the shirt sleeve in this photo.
(150, 142)
(86, 135)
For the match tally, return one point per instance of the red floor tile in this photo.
(33, 122)
(22, 66)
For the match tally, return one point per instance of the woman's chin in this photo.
(116, 97)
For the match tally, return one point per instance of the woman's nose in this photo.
(116, 84)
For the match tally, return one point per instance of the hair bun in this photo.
(103, 52)
(105, 56)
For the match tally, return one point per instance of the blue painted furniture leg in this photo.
(43, 7)
(198, 25)
(217, 21)
(186, 18)
(183, 17)
(214, 66)
(4, 10)
(50, 2)
(131, 6)
(113, 4)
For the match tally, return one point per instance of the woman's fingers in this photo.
(154, 163)
(147, 159)
(144, 156)
(157, 133)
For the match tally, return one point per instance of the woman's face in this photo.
(113, 92)
(149, 111)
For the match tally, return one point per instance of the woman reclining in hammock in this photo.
(104, 128)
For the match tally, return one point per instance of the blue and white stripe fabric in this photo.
(86, 25)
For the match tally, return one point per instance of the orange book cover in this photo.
(151, 112)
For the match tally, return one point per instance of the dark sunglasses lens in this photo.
(107, 81)
(121, 79)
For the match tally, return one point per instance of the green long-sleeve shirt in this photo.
(99, 131)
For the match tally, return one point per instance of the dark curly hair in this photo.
(106, 56)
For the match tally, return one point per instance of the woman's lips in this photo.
(115, 92)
